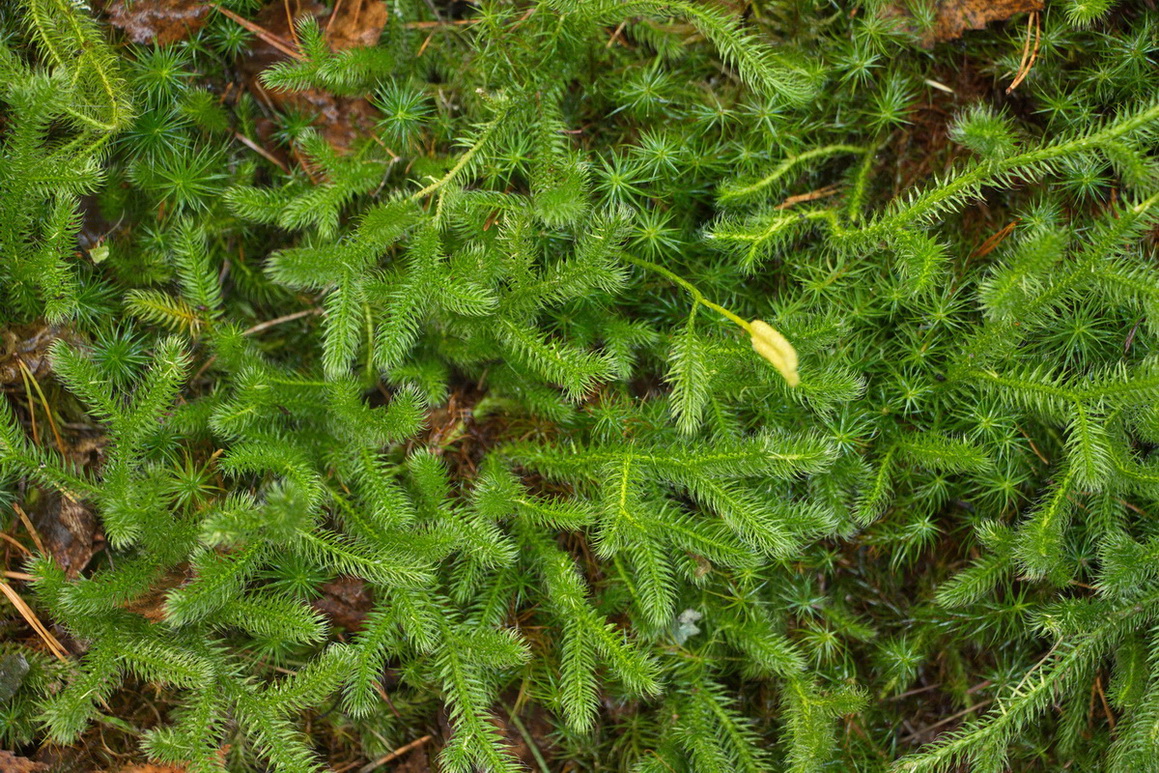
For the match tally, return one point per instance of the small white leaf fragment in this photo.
(774, 347)
(686, 626)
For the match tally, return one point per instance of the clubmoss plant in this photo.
(902, 518)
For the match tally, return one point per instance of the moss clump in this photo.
(402, 360)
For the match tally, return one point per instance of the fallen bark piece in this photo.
(13, 668)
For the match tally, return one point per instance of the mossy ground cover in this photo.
(579, 386)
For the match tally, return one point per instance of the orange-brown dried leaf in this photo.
(85, 448)
(158, 21)
(11, 763)
(340, 120)
(955, 17)
(275, 20)
(151, 768)
(355, 23)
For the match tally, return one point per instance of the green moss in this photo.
(488, 361)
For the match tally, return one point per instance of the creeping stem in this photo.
(932, 198)
(465, 159)
(785, 166)
(697, 296)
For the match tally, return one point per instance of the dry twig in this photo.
(394, 755)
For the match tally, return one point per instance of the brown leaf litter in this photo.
(67, 530)
(355, 23)
(11, 763)
(151, 604)
(158, 21)
(953, 18)
(341, 120)
(28, 344)
(345, 602)
(60, 526)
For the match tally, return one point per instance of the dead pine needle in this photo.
(44, 402)
(800, 198)
(1033, 27)
(261, 32)
(15, 543)
(24, 519)
(992, 241)
(30, 617)
(31, 405)
(267, 155)
(287, 318)
(394, 755)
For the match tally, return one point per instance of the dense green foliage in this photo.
(564, 218)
